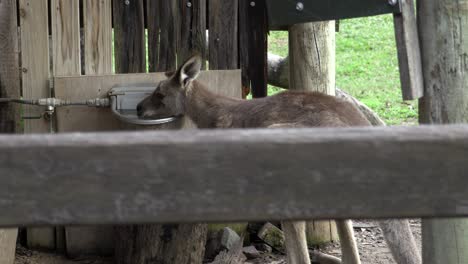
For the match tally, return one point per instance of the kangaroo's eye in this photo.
(159, 96)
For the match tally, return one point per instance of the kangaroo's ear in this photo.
(189, 70)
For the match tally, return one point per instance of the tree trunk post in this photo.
(312, 68)
(9, 113)
(443, 28)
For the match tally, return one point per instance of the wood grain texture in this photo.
(409, 52)
(97, 36)
(443, 31)
(9, 113)
(9, 68)
(129, 36)
(223, 37)
(169, 20)
(153, 25)
(34, 60)
(312, 57)
(8, 244)
(111, 177)
(253, 29)
(193, 30)
(66, 37)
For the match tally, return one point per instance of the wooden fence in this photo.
(203, 175)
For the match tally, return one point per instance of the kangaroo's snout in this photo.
(139, 109)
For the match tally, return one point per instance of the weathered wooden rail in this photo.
(204, 175)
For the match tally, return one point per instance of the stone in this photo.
(262, 247)
(273, 236)
(225, 239)
(251, 252)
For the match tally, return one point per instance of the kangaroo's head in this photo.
(169, 97)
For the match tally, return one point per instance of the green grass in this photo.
(366, 66)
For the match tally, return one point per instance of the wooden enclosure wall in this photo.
(72, 38)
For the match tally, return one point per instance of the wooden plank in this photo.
(9, 113)
(65, 56)
(409, 53)
(283, 14)
(94, 240)
(192, 30)
(152, 17)
(97, 36)
(35, 69)
(253, 29)
(187, 176)
(8, 245)
(223, 35)
(9, 68)
(66, 37)
(129, 36)
(169, 24)
(34, 60)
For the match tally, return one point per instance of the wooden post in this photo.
(9, 113)
(35, 74)
(443, 27)
(91, 240)
(312, 67)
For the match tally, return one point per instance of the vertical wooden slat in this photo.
(66, 37)
(97, 36)
(9, 113)
(169, 22)
(223, 38)
(193, 30)
(409, 52)
(35, 74)
(98, 60)
(66, 55)
(35, 60)
(129, 36)
(253, 29)
(152, 16)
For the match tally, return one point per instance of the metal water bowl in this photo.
(124, 101)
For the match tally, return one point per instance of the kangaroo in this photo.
(181, 94)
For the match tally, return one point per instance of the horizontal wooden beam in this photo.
(211, 175)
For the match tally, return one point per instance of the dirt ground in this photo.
(372, 248)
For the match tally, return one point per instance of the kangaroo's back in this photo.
(297, 109)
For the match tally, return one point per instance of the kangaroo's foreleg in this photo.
(296, 243)
(349, 250)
